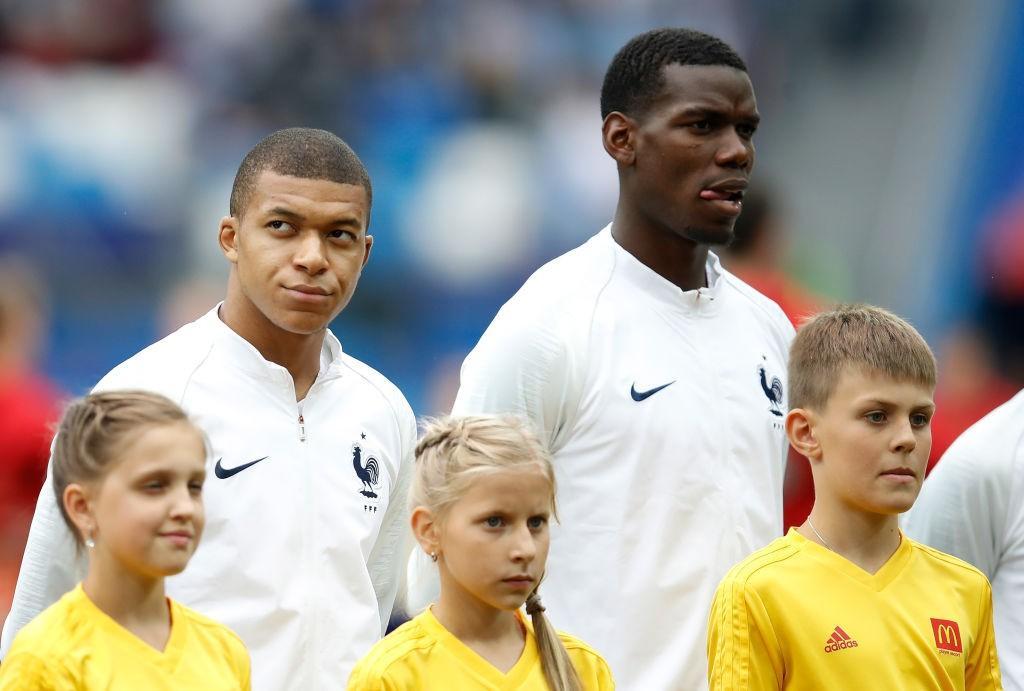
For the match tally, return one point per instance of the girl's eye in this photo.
(494, 522)
(876, 417)
(153, 486)
(536, 522)
(195, 487)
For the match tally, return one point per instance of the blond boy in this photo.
(846, 601)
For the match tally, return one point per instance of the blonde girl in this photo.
(482, 497)
(128, 470)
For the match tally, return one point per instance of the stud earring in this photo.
(433, 556)
(89, 542)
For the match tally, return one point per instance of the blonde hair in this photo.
(455, 451)
(859, 336)
(95, 428)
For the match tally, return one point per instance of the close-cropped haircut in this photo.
(303, 153)
(862, 337)
(455, 451)
(95, 428)
(636, 74)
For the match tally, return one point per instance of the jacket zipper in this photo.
(302, 428)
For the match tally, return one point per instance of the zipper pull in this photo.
(302, 428)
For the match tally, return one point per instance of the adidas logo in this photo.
(839, 640)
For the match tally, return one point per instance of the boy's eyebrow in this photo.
(889, 404)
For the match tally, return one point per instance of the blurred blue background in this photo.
(891, 151)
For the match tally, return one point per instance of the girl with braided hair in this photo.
(128, 470)
(482, 496)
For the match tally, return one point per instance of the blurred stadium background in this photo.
(891, 157)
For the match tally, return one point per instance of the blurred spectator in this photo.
(1002, 287)
(29, 407)
(756, 255)
(970, 385)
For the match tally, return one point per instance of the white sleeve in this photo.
(387, 562)
(524, 365)
(962, 507)
(52, 565)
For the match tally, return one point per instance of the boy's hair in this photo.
(303, 153)
(858, 336)
(636, 73)
(450, 455)
(95, 428)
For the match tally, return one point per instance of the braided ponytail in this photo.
(554, 658)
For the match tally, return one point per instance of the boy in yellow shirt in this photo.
(846, 601)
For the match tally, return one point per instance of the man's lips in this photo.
(309, 290)
(730, 190)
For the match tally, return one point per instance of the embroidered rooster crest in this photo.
(772, 390)
(368, 473)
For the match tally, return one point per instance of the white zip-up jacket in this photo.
(306, 518)
(663, 409)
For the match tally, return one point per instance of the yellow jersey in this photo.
(423, 655)
(73, 645)
(796, 616)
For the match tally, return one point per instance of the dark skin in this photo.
(296, 253)
(683, 164)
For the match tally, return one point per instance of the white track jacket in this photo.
(663, 409)
(306, 518)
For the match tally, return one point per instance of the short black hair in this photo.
(636, 76)
(301, 152)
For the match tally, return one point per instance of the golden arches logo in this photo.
(947, 635)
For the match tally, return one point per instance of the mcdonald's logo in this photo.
(947, 635)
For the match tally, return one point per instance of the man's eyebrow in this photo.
(287, 213)
(709, 111)
(350, 220)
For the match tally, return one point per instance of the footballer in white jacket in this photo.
(656, 377)
(311, 450)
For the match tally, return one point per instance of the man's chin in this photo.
(720, 236)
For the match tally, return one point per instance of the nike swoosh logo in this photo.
(224, 473)
(641, 395)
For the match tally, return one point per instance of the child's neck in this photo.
(136, 603)
(494, 634)
(866, 539)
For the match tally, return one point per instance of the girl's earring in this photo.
(433, 556)
(89, 542)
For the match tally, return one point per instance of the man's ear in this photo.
(78, 504)
(618, 134)
(426, 530)
(369, 245)
(228, 238)
(800, 425)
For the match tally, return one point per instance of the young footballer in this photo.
(483, 492)
(846, 601)
(128, 471)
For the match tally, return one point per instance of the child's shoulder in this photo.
(952, 567)
(409, 638)
(767, 563)
(589, 663)
(210, 632)
(56, 628)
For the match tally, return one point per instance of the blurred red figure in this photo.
(29, 407)
(970, 386)
(755, 255)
